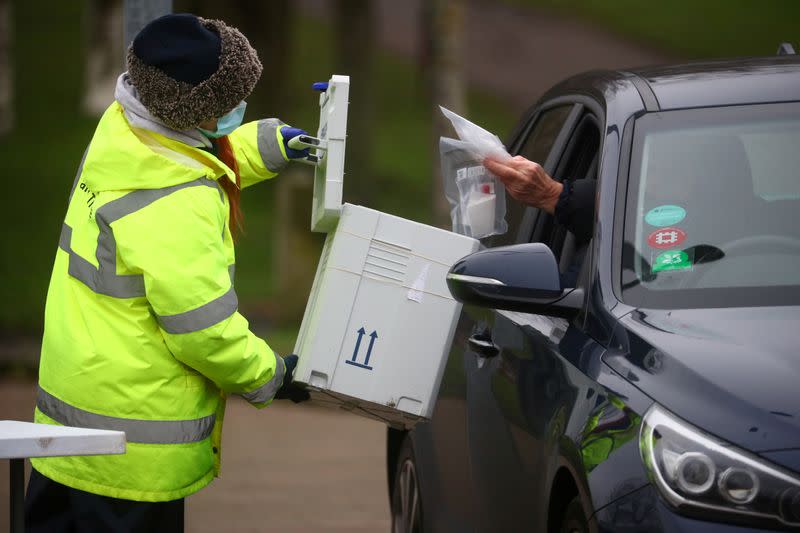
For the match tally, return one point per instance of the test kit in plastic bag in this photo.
(477, 198)
(479, 142)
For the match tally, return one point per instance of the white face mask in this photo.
(227, 122)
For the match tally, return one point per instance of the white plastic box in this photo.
(379, 321)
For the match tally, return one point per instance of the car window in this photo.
(544, 133)
(536, 147)
(578, 161)
(711, 215)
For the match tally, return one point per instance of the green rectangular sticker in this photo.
(672, 260)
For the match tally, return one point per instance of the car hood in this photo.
(787, 458)
(734, 373)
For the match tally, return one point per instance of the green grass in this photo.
(691, 28)
(42, 154)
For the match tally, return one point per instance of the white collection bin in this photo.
(380, 319)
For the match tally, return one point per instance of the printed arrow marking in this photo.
(361, 333)
(373, 336)
(353, 360)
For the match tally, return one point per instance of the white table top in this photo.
(25, 439)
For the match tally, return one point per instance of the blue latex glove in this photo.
(289, 133)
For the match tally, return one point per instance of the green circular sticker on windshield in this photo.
(672, 260)
(665, 215)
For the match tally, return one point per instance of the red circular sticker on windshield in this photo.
(666, 237)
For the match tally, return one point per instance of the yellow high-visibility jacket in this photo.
(142, 332)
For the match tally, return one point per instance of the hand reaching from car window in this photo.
(526, 181)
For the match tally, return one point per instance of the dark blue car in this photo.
(661, 391)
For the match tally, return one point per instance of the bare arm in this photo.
(527, 182)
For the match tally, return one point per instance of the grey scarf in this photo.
(139, 117)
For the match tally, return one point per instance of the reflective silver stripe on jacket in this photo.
(202, 317)
(139, 431)
(268, 145)
(266, 391)
(104, 279)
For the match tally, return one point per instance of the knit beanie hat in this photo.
(189, 69)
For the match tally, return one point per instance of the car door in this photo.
(451, 497)
(522, 391)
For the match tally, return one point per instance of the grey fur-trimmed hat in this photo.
(172, 65)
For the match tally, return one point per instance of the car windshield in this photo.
(713, 208)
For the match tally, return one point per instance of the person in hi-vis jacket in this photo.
(142, 332)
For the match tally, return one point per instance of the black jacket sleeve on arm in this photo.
(575, 208)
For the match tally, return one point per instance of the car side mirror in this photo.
(523, 277)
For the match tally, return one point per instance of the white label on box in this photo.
(418, 287)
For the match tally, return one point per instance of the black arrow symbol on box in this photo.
(373, 336)
(361, 333)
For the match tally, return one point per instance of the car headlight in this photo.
(697, 472)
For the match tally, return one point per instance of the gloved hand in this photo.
(289, 133)
(290, 390)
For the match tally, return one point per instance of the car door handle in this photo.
(482, 345)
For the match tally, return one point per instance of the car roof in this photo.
(724, 82)
(696, 84)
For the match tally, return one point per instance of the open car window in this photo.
(536, 146)
(578, 161)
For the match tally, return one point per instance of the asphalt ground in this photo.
(286, 468)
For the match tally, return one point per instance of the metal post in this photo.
(137, 13)
(17, 511)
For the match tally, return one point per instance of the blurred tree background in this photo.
(488, 60)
